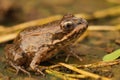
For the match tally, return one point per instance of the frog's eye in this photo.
(68, 26)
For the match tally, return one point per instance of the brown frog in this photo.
(36, 44)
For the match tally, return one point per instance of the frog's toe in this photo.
(23, 70)
(39, 71)
(77, 56)
(67, 58)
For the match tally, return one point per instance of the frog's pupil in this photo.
(68, 25)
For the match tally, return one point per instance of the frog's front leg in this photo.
(37, 59)
(71, 51)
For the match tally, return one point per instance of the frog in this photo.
(39, 43)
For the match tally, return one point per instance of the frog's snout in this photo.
(83, 22)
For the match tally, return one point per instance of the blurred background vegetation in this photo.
(14, 12)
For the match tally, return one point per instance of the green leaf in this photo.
(112, 56)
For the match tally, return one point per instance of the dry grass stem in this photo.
(30, 23)
(8, 37)
(114, 11)
(95, 76)
(100, 64)
(59, 75)
(103, 28)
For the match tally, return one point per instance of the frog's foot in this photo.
(37, 69)
(19, 68)
(73, 54)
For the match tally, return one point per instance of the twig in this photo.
(93, 65)
(2, 28)
(95, 76)
(54, 66)
(65, 74)
(114, 11)
(59, 75)
(103, 28)
(30, 23)
(7, 37)
(100, 64)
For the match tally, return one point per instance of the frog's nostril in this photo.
(79, 22)
(84, 21)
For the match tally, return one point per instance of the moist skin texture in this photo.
(36, 44)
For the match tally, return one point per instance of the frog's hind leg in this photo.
(12, 56)
(19, 68)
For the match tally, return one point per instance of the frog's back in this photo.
(31, 39)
